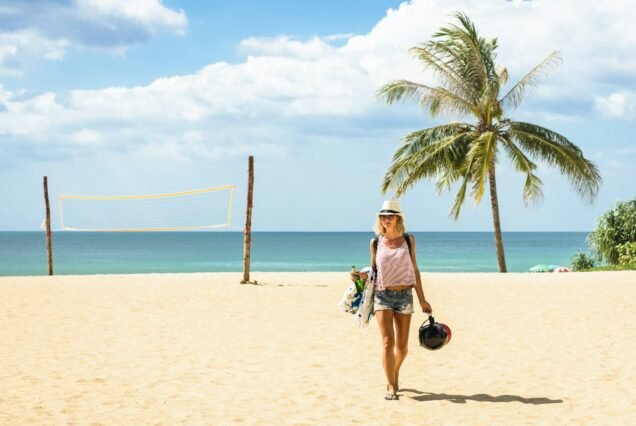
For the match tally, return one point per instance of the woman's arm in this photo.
(364, 276)
(426, 307)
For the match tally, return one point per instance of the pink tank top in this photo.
(395, 267)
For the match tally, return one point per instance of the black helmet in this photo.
(434, 335)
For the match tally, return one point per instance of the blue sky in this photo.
(131, 97)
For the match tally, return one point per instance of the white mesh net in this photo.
(190, 210)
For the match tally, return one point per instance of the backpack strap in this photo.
(375, 251)
(407, 237)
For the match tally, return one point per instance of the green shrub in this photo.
(581, 261)
(614, 229)
(631, 267)
(626, 253)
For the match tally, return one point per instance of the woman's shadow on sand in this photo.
(480, 397)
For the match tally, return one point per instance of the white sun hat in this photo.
(391, 207)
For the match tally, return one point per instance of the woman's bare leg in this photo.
(402, 326)
(385, 323)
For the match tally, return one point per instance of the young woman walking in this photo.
(397, 275)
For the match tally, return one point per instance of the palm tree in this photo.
(467, 153)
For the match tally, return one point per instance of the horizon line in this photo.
(287, 231)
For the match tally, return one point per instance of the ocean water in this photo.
(24, 253)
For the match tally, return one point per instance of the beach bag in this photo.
(360, 303)
(365, 311)
(351, 299)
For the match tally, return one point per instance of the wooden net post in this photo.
(247, 233)
(49, 249)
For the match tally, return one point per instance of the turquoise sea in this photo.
(24, 253)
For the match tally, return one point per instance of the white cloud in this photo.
(32, 31)
(342, 36)
(150, 13)
(314, 48)
(26, 46)
(86, 137)
(185, 149)
(7, 52)
(289, 83)
(618, 104)
(565, 118)
(553, 117)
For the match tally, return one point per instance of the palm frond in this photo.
(479, 52)
(515, 95)
(405, 172)
(401, 89)
(416, 142)
(473, 59)
(436, 99)
(464, 64)
(557, 151)
(426, 154)
(532, 191)
(466, 172)
(439, 100)
(470, 65)
(502, 73)
(468, 54)
(449, 175)
(481, 155)
(458, 201)
(444, 63)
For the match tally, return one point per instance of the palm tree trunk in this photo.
(501, 257)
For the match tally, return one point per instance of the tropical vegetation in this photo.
(468, 152)
(614, 239)
(581, 262)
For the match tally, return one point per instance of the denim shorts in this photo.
(400, 301)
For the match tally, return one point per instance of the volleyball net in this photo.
(180, 211)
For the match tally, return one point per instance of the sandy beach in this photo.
(202, 349)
